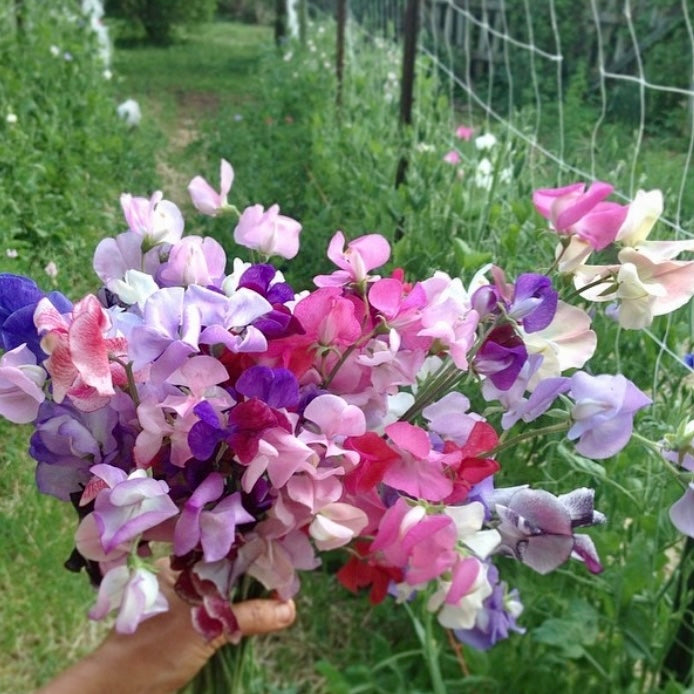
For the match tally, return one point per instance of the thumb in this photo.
(263, 616)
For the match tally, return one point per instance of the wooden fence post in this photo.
(409, 53)
(341, 18)
(280, 21)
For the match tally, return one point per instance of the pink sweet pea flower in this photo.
(135, 595)
(268, 232)
(452, 157)
(361, 256)
(464, 132)
(205, 198)
(194, 260)
(573, 210)
(81, 360)
(419, 470)
(21, 385)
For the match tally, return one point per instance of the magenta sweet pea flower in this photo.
(452, 157)
(574, 210)
(603, 413)
(268, 232)
(205, 198)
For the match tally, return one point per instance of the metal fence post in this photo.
(410, 32)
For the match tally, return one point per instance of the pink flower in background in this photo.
(155, 220)
(464, 132)
(205, 198)
(268, 232)
(362, 255)
(452, 157)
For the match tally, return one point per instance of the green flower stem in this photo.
(590, 285)
(529, 434)
(132, 387)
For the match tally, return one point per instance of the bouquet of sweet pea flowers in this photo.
(250, 428)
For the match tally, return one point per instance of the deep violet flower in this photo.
(501, 357)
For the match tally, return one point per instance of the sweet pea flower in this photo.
(603, 413)
(573, 210)
(501, 356)
(81, 359)
(127, 505)
(21, 385)
(362, 255)
(678, 447)
(19, 297)
(566, 343)
(485, 142)
(336, 524)
(464, 132)
(215, 528)
(205, 198)
(452, 157)
(496, 619)
(642, 287)
(537, 527)
(194, 260)
(155, 220)
(268, 232)
(459, 600)
(534, 302)
(134, 594)
(682, 512)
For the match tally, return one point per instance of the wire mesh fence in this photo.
(600, 89)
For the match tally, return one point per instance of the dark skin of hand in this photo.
(165, 652)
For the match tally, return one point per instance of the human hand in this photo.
(166, 651)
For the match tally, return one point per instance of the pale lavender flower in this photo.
(129, 505)
(135, 595)
(682, 512)
(603, 413)
(214, 529)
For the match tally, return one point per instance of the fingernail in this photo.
(285, 612)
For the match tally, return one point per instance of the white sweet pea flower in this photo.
(135, 288)
(484, 142)
(468, 520)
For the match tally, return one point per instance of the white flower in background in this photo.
(483, 174)
(11, 118)
(129, 111)
(485, 142)
(51, 269)
(107, 74)
(55, 51)
(11, 253)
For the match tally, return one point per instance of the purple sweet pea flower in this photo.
(534, 302)
(682, 512)
(215, 529)
(497, 617)
(277, 387)
(67, 442)
(604, 413)
(129, 505)
(19, 296)
(537, 527)
(501, 357)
